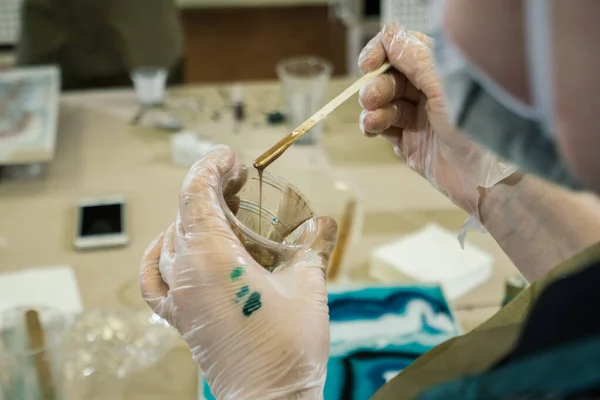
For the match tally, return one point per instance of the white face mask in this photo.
(483, 110)
(537, 22)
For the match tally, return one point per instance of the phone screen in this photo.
(102, 219)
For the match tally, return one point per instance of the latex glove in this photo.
(406, 106)
(255, 334)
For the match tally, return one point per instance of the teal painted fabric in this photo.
(376, 332)
(556, 374)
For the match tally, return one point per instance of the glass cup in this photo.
(272, 233)
(32, 372)
(149, 84)
(304, 82)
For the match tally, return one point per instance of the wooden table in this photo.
(100, 153)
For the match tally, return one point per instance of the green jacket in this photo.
(96, 40)
(480, 350)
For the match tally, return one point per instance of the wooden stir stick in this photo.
(267, 158)
(343, 238)
(37, 341)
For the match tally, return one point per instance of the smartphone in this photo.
(101, 223)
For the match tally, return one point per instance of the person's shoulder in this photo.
(521, 327)
(556, 353)
(564, 312)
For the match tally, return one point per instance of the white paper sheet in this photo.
(432, 255)
(54, 287)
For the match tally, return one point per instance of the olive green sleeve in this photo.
(482, 348)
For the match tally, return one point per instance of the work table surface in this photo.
(99, 152)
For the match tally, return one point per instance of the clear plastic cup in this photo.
(22, 367)
(285, 224)
(149, 84)
(304, 83)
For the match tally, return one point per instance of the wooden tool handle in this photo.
(339, 100)
(265, 159)
(343, 238)
(37, 342)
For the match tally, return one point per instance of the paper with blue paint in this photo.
(376, 332)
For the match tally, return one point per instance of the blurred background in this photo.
(222, 40)
(104, 106)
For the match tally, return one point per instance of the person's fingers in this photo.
(405, 113)
(154, 290)
(323, 243)
(304, 234)
(207, 250)
(427, 41)
(364, 114)
(208, 258)
(375, 122)
(199, 205)
(236, 180)
(394, 136)
(399, 113)
(385, 88)
(410, 53)
(411, 147)
(234, 204)
(372, 55)
(167, 255)
(326, 238)
(168, 248)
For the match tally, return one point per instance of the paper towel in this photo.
(432, 255)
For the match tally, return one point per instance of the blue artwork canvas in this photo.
(376, 332)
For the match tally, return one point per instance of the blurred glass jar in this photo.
(304, 82)
(149, 84)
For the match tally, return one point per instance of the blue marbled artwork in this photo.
(376, 332)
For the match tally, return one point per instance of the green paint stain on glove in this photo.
(242, 292)
(252, 304)
(236, 273)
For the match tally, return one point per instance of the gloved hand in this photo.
(406, 106)
(255, 334)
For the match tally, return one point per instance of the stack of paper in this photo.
(432, 255)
